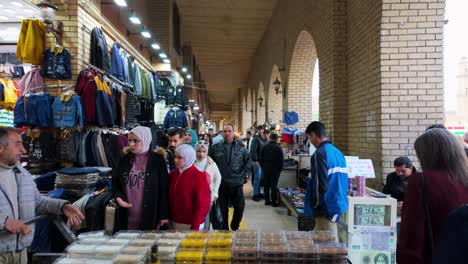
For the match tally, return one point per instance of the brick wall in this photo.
(412, 74)
(381, 78)
(274, 101)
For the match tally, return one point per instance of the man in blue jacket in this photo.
(327, 188)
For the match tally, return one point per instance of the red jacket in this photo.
(190, 197)
(86, 88)
(443, 195)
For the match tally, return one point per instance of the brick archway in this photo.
(247, 110)
(275, 101)
(301, 70)
(261, 117)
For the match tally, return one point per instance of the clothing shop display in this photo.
(288, 135)
(32, 79)
(162, 86)
(160, 111)
(290, 118)
(40, 146)
(30, 47)
(34, 110)
(77, 180)
(99, 53)
(175, 118)
(45, 182)
(7, 118)
(56, 64)
(117, 63)
(8, 93)
(67, 111)
(176, 96)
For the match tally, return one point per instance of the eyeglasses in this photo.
(202, 142)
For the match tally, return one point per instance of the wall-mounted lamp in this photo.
(260, 101)
(48, 12)
(277, 86)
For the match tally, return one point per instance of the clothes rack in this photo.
(113, 78)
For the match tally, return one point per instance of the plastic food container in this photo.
(219, 242)
(128, 234)
(99, 261)
(245, 252)
(273, 241)
(246, 241)
(332, 250)
(300, 242)
(93, 240)
(67, 260)
(216, 256)
(293, 235)
(91, 234)
(246, 234)
(189, 256)
(130, 259)
(108, 251)
(136, 250)
(77, 250)
(152, 235)
(174, 235)
(192, 243)
(142, 242)
(271, 236)
(167, 253)
(117, 242)
(202, 235)
(168, 242)
(274, 252)
(322, 236)
(310, 252)
(227, 234)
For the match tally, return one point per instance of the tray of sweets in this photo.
(227, 234)
(192, 256)
(91, 234)
(322, 236)
(107, 251)
(217, 255)
(303, 252)
(201, 235)
(271, 235)
(274, 251)
(128, 234)
(136, 250)
(152, 235)
(246, 234)
(77, 250)
(174, 235)
(142, 242)
(192, 243)
(245, 252)
(129, 259)
(215, 242)
(292, 235)
(70, 260)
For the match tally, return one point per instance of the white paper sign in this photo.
(364, 167)
(351, 162)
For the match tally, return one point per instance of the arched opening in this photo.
(248, 110)
(315, 92)
(260, 99)
(301, 98)
(275, 98)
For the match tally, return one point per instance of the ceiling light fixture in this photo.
(162, 55)
(20, 17)
(146, 34)
(166, 61)
(135, 20)
(8, 10)
(156, 46)
(3, 18)
(121, 3)
(189, 76)
(18, 4)
(184, 69)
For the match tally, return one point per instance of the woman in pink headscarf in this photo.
(140, 185)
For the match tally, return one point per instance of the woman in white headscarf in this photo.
(189, 191)
(140, 185)
(206, 164)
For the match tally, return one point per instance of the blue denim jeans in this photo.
(257, 181)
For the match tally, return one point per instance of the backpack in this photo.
(452, 244)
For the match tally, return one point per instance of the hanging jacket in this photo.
(176, 96)
(152, 86)
(86, 89)
(124, 57)
(117, 64)
(290, 118)
(32, 79)
(39, 110)
(67, 111)
(138, 84)
(9, 93)
(175, 118)
(145, 85)
(131, 71)
(30, 45)
(56, 64)
(99, 52)
(327, 189)
(162, 86)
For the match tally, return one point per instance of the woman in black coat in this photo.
(140, 185)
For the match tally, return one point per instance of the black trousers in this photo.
(270, 180)
(235, 195)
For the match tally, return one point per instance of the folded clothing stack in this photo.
(45, 182)
(77, 180)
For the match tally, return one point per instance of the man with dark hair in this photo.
(327, 188)
(271, 161)
(233, 161)
(248, 137)
(397, 181)
(210, 132)
(256, 146)
(20, 200)
(176, 138)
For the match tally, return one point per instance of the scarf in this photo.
(144, 135)
(189, 155)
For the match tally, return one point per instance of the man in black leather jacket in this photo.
(257, 143)
(233, 161)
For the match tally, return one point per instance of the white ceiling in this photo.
(11, 15)
(224, 35)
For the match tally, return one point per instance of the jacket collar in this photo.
(56, 49)
(324, 142)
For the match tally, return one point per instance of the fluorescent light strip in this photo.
(18, 4)
(162, 55)
(121, 3)
(189, 76)
(156, 46)
(8, 10)
(166, 61)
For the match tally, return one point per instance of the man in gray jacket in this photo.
(20, 201)
(233, 161)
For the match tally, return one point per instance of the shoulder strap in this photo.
(427, 216)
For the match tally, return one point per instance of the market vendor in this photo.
(397, 181)
(21, 201)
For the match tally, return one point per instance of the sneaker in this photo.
(255, 198)
(268, 203)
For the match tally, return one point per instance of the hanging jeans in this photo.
(257, 180)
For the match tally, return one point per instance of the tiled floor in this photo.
(257, 216)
